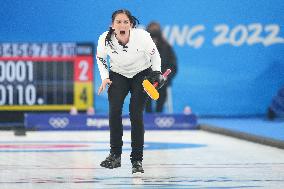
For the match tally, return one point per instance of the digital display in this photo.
(46, 76)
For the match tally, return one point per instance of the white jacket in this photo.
(137, 55)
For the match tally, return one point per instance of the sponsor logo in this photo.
(58, 122)
(164, 122)
(99, 123)
(102, 122)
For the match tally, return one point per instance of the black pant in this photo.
(117, 92)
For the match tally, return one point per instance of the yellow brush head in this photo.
(150, 90)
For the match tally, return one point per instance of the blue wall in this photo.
(234, 75)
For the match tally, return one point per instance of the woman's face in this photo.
(121, 25)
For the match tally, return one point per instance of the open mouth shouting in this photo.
(122, 32)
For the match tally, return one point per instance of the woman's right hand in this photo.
(105, 82)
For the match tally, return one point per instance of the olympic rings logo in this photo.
(164, 122)
(58, 122)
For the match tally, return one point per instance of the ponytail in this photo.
(108, 37)
(134, 21)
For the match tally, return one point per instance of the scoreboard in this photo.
(46, 76)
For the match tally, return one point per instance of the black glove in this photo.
(156, 76)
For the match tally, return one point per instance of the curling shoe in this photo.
(112, 161)
(137, 167)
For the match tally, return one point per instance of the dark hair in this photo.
(133, 20)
